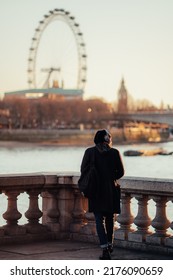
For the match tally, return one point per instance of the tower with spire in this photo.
(122, 98)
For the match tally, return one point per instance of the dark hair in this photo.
(102, 136)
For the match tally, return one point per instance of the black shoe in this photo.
(110, 248)
(105, 255)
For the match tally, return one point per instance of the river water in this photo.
(20, 158)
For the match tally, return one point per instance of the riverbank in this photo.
(68, 137)
(47, 137)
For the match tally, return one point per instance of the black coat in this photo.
(109, 168)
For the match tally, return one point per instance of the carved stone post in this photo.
(88, 230)
(53, 212)
(169, 240)
(78, 213)
(66, 206)
(12, 215)
(33, 214)
(1, 229)
(115, 222)
(125, 218)
(142, 220)
(160, 223)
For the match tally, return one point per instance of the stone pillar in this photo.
(33, 214)
(12, 215)
(125, 218)
(142, 220)
(88, 230)
(1, 229)
(169, 240)
(160, 223)
(78, 212)
(115, 222)
(66, 206)
(53, 211)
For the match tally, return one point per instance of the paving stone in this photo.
(68, 250)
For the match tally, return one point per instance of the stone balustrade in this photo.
(55, 209)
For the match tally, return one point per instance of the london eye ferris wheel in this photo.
(57, 55)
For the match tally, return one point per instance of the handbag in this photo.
(88, 181)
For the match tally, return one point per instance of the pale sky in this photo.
(124, 38)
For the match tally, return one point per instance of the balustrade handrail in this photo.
(159, 186)
(64, 210)
(41, 180)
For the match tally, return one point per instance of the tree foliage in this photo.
(44, 113)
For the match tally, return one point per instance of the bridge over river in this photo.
(155, 117)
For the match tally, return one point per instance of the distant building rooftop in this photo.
(41, 92)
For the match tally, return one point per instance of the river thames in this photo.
(27, 158)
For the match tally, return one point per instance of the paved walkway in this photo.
(68, 250)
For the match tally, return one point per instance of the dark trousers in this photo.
(104, 227)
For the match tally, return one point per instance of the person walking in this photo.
(106, 202)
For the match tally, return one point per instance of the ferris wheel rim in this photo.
(58, 14)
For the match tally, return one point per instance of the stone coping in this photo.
(42, 180)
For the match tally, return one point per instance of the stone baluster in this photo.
(115, 222)
(160, 223)
(142, 220)
(53, 212)
(88, 230)
(33, 214)
(125, 218)
(78, 213)
(1, 229)
(169, 240)
(66, 206)
(12, 215)
(84, 204)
